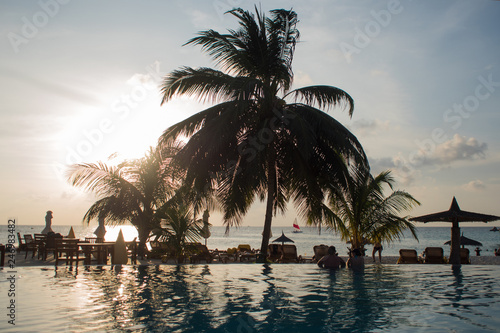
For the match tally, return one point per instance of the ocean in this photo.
(252, 235)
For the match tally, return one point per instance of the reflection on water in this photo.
(257, 298)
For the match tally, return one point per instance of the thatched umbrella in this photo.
(466, 241)
(205, 232)
(455, 215)
(101, 229)
(48, 223)
(283, 239)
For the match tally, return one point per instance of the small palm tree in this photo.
(131, 191)
(263, 140)
(180, 229)
(361, 213)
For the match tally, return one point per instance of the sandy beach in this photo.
(389, 260)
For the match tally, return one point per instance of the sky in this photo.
(79, 83)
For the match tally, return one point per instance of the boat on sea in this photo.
(296, 228)
(495, 229)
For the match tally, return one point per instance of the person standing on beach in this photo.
(331, 260)
(377, 247)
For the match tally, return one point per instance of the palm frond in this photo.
(205, 83)
(323, 97)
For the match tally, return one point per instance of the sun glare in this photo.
(129, 232)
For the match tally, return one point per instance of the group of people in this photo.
(356, 260)
(333, 261)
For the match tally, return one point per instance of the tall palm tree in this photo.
(262, 139)
(361, 213)
(131, 191)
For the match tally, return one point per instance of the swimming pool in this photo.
(255, 298)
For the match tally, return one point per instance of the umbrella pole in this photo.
(455, 244)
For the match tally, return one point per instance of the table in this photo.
(101, 251)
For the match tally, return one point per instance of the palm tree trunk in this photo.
(271, 193)
(143, 237)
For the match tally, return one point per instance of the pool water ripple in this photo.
(257, 298)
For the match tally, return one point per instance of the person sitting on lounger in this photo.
(356, 261)
(331, 260)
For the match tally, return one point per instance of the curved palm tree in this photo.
(361, 213)
(131, 191)
(262, 139)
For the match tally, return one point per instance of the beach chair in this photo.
(464, 256)
(22, 244)
(30, 245)
(40, 240)
(319, 252)
(274, 252)
(50, 245)
(408, 256)
(288, 253)
(434, 255)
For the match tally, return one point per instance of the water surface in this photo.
(256, 298)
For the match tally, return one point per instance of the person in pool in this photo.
(356, 261)
(331, 260)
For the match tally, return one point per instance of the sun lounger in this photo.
(434, 255)
(319, 252)
(464, 256)
(244, 248)
(408, 256)
(289, 253)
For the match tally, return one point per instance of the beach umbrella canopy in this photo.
(71, 233)
(283, 239)
(455, 215)
(466, 241)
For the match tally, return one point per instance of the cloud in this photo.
(402, 172)
(369, 126)
(200, 18)
(145, 80)
(405, 167)
(474, 185)
(459, 148)
(302, 79)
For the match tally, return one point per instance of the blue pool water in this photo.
(254, 298)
